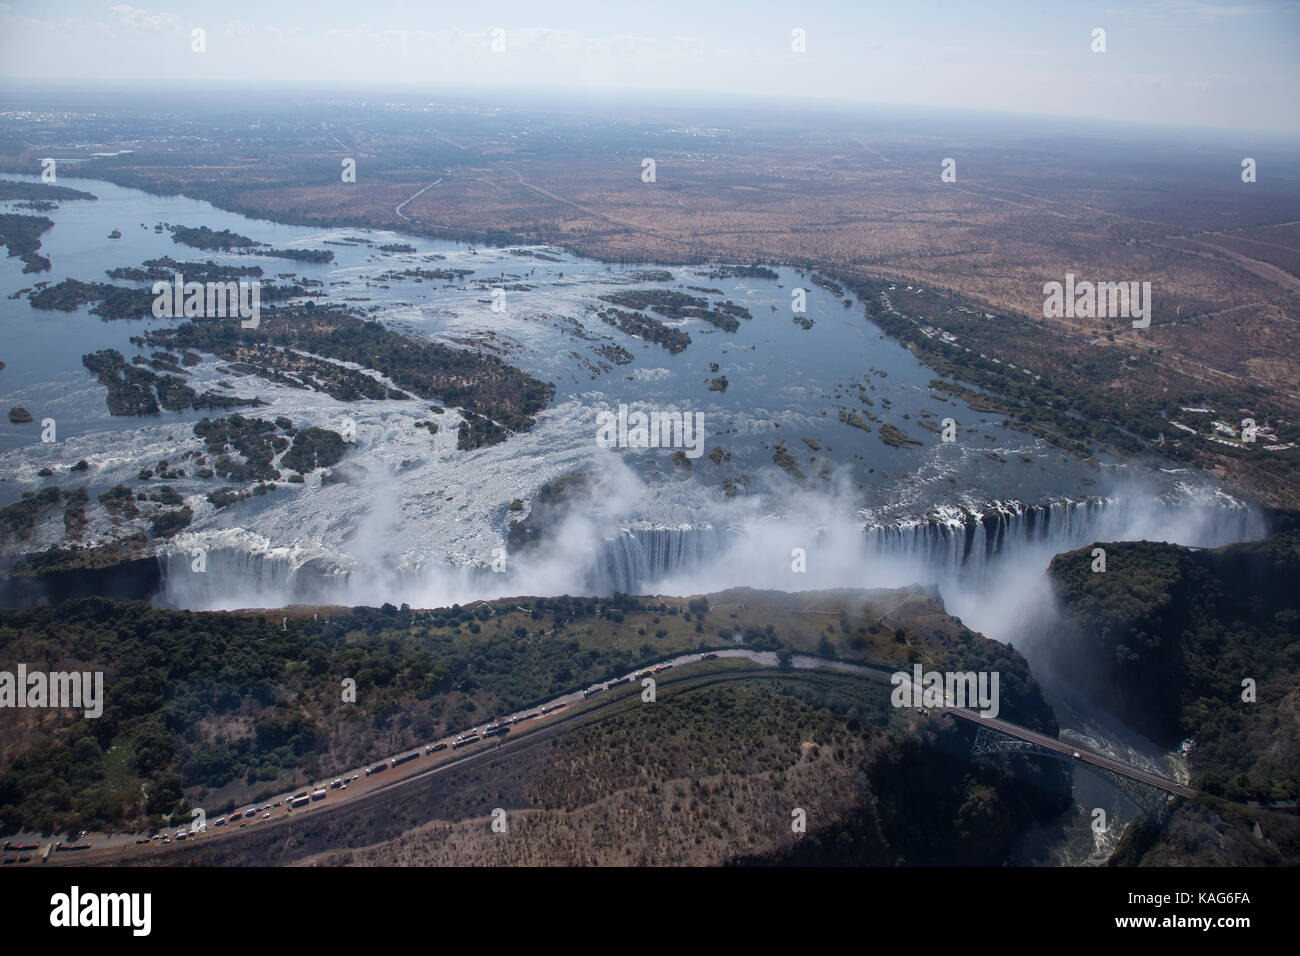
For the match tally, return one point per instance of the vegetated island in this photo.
(22, 235)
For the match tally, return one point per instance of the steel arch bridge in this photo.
(1154, 803)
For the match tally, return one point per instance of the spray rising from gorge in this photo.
(986, 563)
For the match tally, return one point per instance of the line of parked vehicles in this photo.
(595, 689)
(16, 852)
(305, 798)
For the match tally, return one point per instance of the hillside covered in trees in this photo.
(211, 709)
(1200, 646)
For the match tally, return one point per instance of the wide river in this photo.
(420, 521)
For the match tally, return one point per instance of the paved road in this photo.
(1083, 755)
(596, 700)
(398, 208)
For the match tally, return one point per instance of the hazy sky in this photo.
(1184, 62)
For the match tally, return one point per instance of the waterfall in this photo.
(235, 578)
(971, 544)
(977, 551)
(954, 546)
(633, 558)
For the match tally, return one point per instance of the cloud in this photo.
(136, 19)
(241, 29)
